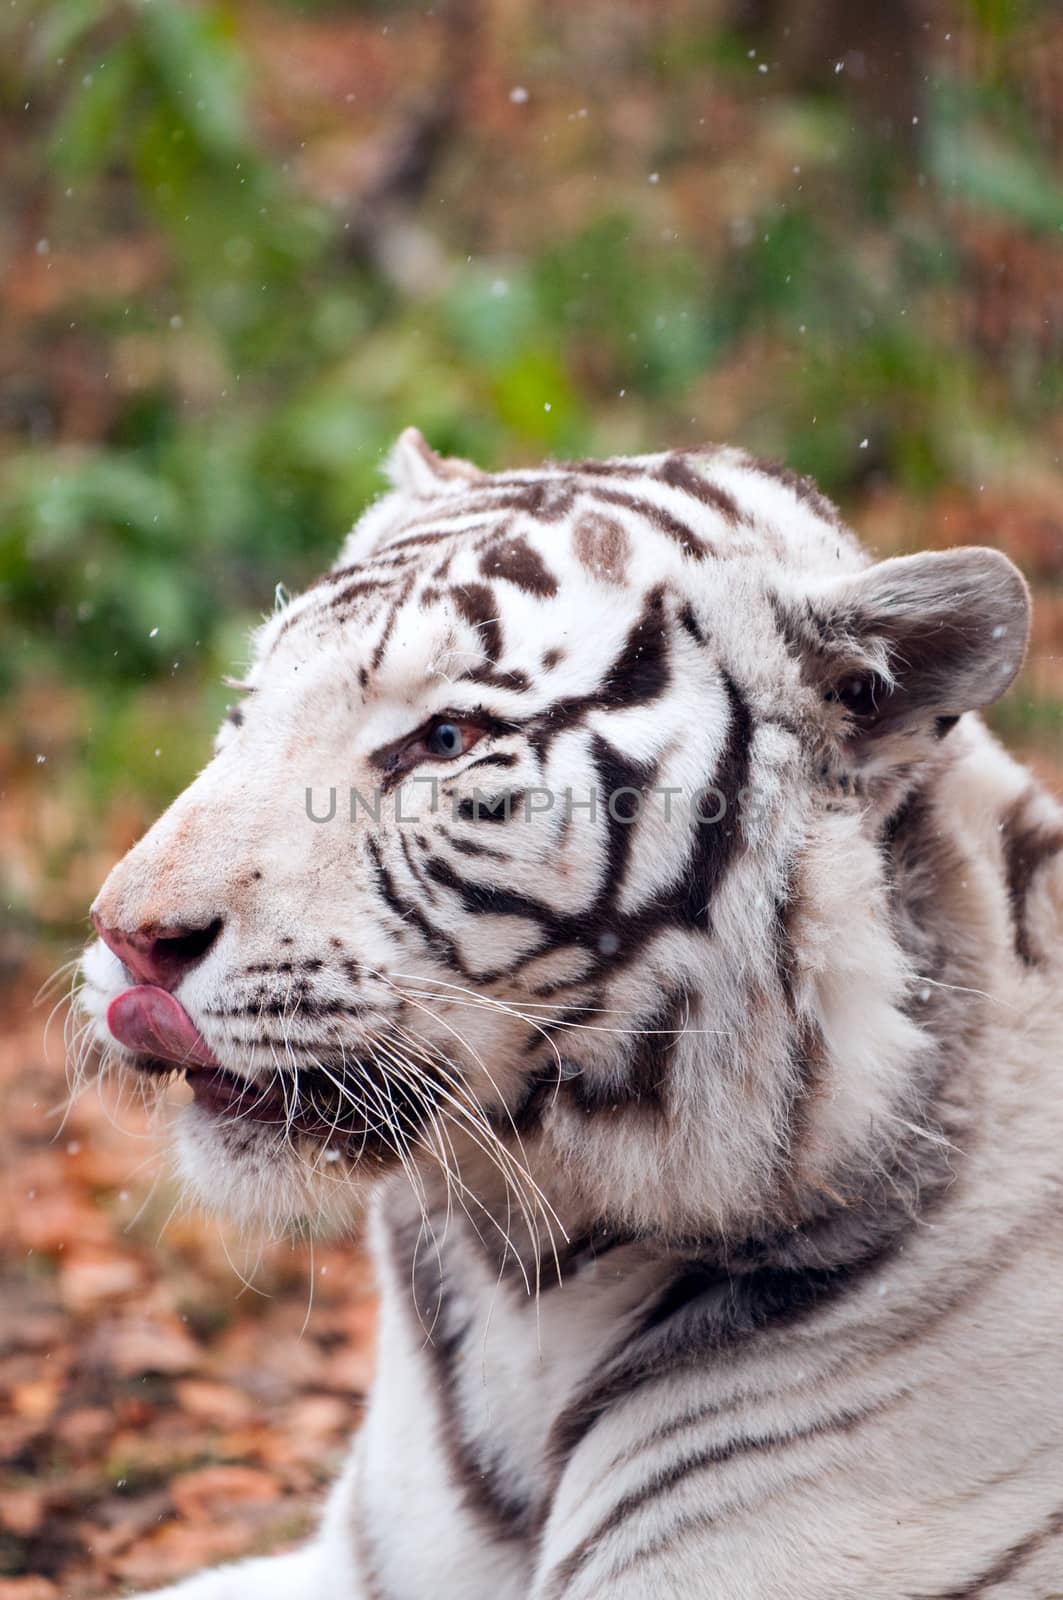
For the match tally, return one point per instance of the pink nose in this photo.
(160, 956)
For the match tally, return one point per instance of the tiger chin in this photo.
(605, 876)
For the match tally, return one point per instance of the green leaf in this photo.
(1000, 18)
(974, 165)
(491, 313)
(86, 134)
(61, 27)
(60, 502)
(534, 396)
(200, 72)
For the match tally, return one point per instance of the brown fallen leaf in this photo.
(22, 1510)
(350, 1371)
(51, 1219)
(318, 1419)
(175, 1549)
(84, 1427)
(35, 1401)
(15, 1435)
(28, 1588)
(140, 1347)
(88, 1281)
(214, 1493)
(220, 1404)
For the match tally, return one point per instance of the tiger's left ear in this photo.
(415, 468)
(913, 643)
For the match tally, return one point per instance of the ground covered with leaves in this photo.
(155, 1414)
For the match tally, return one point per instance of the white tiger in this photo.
(696, 1028)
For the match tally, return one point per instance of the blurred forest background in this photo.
(241, 245)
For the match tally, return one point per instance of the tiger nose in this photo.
(157, 955)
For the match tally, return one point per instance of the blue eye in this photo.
(445, 740)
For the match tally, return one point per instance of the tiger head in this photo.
(553, 852)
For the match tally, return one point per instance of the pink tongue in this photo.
(151, 1022)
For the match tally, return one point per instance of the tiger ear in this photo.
(913, 643)
(415, 468)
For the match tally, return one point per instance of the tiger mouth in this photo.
(324, 1105)
(314, 1105)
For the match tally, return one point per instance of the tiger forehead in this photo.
(467, 574)
(702, 504)
(504, 541)
(509, 537)
(483, 621)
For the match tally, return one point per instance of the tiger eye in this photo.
(445, 739)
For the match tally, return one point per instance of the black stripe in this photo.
(479, 607)
(933, 913)
(425, 537)
(415, 869)
(355, 589)
(689, 621)
(804, 632)
(409, 912)
(1029, 843)
(810, 1077)
(501, 1515)
(485, 899)
(519, 563)
(638, 1081)
(514, 680)
(640, 673)
(678, 472)
(473, 847)
(621, 787)
(490, 807)
(665, 522)
(382, 643)
(499, 758)
(656, 1488)
(548, 498)
(718, 843)
(1007, 1565)
(803, 488)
